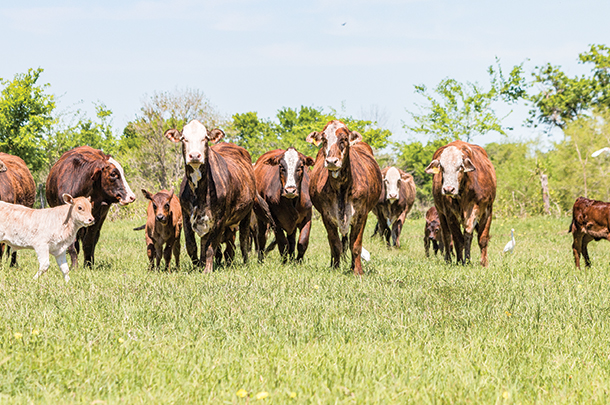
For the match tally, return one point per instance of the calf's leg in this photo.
(63, 265)
(303, 240)
(585, 252)
(577, 247)
(43, 260)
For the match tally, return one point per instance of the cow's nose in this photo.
(332, 161)
(290, 190)
(393, 196)
(160, 217)
(448, 189)
(196, 156)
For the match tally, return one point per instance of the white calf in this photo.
(47, 231)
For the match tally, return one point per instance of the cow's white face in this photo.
(129, 195)
(337, 138)
(194, 138)
(392, 184)
(452, 165)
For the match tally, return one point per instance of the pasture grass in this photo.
(527, 329)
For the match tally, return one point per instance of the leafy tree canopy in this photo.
(25, 118)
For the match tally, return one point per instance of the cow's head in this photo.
(80, 210)
(194, 138)
(433, 229)
(451, 164)
(160, 203)
(391, 182)
(336, 140)
(112, 180)
(292, 165)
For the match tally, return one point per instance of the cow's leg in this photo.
(469, 226)
(230, 248)
(577, 247)
(159, 253)
(92, 233)
(355, 241)
(167, 254)
(190, 240)
(150, 252)
(261, 238)
(208, 256)
(458, 240)
(63, 265)
(292, 244)
(396, 230)
(176, 250)
(303, 240)
(483, 233)
(43, 260)
(446, 235)
(282, 243)
(334, 242)
(2, 245)
(585, 251)
(376, 229)
(244, 237)
(427, 245)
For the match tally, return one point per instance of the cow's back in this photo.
(73, 174)
(239, 170)
(367, 180)
(16, 183)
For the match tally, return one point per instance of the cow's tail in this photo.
(139, 228)
(261, 209)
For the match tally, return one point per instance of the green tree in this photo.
(457, 110)
(25, 118)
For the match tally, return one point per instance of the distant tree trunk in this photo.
(544, 183)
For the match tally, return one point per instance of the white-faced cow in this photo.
(464, 189)
(395, 202)
(88, 172)
(345, 186)
(217, 194)
(46, 231)
(282, 180)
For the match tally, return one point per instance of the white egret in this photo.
(511, 244)
(599, 152)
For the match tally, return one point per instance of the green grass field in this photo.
(528, 329)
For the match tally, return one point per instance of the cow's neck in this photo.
(343, 180)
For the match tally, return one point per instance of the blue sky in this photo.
(265, 55)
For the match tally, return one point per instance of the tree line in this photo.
(533, 176)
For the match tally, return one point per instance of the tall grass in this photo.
(527, 329)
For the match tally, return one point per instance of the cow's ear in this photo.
(68, 199)
(147, 194)
(171, 193)
(404, 176)
(308, 161)
(354, 137)
(97, 173)
(274, 161)
(434, 167)
(315, 138)
(468, 166)
(173, 135)
(89, 198)
(215, 135)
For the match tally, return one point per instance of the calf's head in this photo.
(113, 182)
(80, 209)
(291, 167)
(451, 164)
(433, 229)
(194, 137)
(336, 139)
(160, 203)
(391, 181)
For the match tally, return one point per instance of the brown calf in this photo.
(590, 221)
(16, 187)
(163, 227)
(395, 202)
(345, 186)
(464, 189)
(432, 232)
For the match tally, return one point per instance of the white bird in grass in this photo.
(599, 152)
(511, 244)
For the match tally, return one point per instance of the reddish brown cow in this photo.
(88, 172)
(217, 194)
(590, 221)
(432, 232)
(282, 180)
(464, 189)
(163, 227)
(16, 187)
(395, 202)
(345, 186)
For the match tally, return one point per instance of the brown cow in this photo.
(590, 221)
(163, 227)
(432, 232)
(395, 202)
(217, 194)
(282, 180)
(16, 187)
(464, 189)
(345, 186)
(88, 172)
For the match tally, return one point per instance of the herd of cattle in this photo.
(222, 192)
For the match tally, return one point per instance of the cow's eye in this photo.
(80, 208)
(166, 206)
(154, 207)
